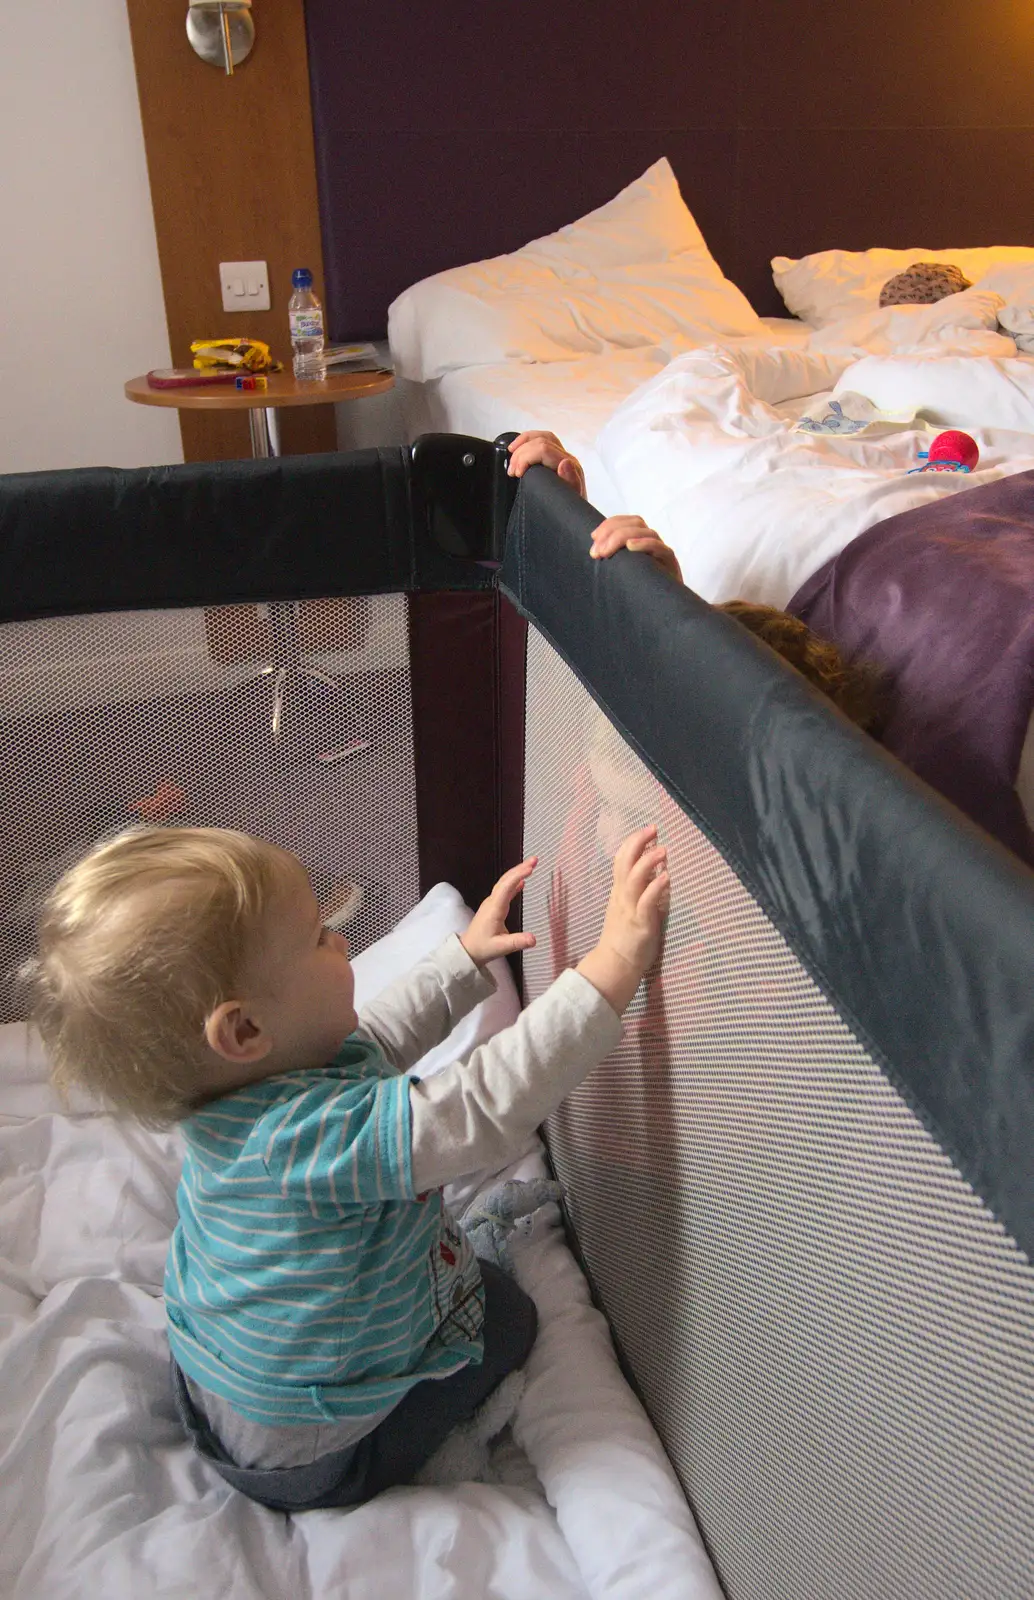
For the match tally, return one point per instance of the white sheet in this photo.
(102, 1495)
(573, 399)
(701, 442)
(703, 451)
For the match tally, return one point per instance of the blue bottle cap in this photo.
(301, 277)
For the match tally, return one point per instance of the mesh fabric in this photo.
(167, 717)
(832, 1334)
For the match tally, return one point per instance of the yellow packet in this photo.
(248, 355)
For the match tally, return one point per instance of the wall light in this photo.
(221, 31)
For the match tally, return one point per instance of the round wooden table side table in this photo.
(261, 405)
(286, 666)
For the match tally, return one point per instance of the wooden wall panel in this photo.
(233, 178)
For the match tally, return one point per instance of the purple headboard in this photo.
(445, 133)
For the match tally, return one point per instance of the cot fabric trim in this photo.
(833, 837)
(212, 533)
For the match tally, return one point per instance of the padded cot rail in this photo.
(803, 1186)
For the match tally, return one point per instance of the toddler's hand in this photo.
(633, 927)
(632, 533)
(487, 937)
(535, 448)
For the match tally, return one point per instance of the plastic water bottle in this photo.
(305, 315)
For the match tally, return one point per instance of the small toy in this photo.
(168, 800)
(188, 377)
(833, 420)
(255, 382)
(950, 452)
(504, 1210)
(463, 1456)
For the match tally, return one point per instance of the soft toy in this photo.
(464, 1455)
(489, 1224)
(505, 1210)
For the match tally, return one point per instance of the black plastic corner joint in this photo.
(462, 495)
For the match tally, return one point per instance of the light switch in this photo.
(245, 285)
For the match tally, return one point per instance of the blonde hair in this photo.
(138, 944)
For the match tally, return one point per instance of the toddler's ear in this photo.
(232, 1034)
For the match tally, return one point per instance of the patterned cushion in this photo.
(922, 284)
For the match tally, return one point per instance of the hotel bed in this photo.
(758, 448)
(574, 399)
(621, 335)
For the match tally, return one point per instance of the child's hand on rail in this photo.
(487, 936)
(632, 533)
(633, 927)
(533, 449)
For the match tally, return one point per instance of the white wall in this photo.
(80, 294)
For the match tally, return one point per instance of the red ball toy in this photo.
(952, 452)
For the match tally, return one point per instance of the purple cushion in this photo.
(941, 598)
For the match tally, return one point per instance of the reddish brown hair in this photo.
(856, 688)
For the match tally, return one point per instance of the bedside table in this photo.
(285, 667)
(283, 389)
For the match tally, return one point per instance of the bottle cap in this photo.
(301, 277)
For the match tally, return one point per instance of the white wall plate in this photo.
(245, 285)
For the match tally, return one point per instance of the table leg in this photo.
(283, 614)
(265, 432)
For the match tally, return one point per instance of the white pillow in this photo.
(627, 275)
(24, 1085)
(833, 284)
(1015, 284)
(909, 327)
(442, 911)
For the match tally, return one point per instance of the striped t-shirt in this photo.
(306, 1282)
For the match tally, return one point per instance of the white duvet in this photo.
(707, 453)
(101, 1495)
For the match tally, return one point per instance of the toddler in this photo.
(328, 1322)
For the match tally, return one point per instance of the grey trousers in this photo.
(406, 1438)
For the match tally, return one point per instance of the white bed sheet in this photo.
(573, 399)
(706, 453)
(700, 441)
(103, 1496)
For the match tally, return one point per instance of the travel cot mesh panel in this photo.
(110, 720)
(831, 1333)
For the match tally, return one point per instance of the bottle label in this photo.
(306, 324)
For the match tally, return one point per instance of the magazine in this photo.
(354, 357)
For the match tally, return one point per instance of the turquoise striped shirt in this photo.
(306, 1282)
